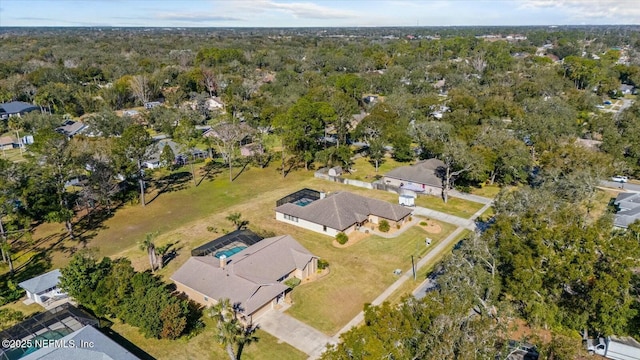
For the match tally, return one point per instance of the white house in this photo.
(340, 212)
(44, 287)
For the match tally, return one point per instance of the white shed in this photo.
(407, 200)
(335, 171)
(42, 288)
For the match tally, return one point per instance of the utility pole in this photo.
(413, 267)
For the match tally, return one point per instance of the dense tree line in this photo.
(112, 288)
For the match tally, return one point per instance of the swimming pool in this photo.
(303, 202)
(15, 354)
(230, 252)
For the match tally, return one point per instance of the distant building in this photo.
(72, 128)
(16, 108)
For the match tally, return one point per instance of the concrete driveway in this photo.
(295, 333)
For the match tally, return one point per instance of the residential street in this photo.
(620, 186)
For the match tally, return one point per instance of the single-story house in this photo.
(43, 287)
(230, 130)
(16, 108)
(8, 143)
(252, 278)
(628, 205)
(71, 128)
(423, 176)
(627, 89)
(340, 212)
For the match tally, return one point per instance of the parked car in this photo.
(607, 102)
(620, 178)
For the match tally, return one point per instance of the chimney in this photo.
(223, 261)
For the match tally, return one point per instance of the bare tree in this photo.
(140, 88)
(227, 137)
(209, 81)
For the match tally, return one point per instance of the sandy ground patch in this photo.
(431, 226)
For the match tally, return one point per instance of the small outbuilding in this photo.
(44, 287)
(335, 171)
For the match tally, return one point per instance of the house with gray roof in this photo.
(43, 287)
(423, 176)
(252, 278)
(16, 108)
(88, 343)
(628, 205)
(71, 128)
(8, 143)
(340, 212)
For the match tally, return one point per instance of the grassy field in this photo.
(205, 347)
(455, 206)
(12, 155)
(365, 171)
(489, 191)
(182, 214)
(359, 273)
(410, 285)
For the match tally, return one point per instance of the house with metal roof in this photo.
(251, 278)
(628, 205)
(340, 212)
(43, 287)
(16, 108)
(423, 176)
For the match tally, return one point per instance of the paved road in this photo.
(625, 186)
(470, 197)
(295, 333)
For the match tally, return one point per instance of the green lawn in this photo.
(410, 285)
(204, 346)
(12, 155)
(366, 171)
(454, 206)
(489, 191)
(358, 274)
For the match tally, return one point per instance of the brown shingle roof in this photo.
(343, 209)
(423, 172)
(250, 277)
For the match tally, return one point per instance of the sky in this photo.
(316, 13)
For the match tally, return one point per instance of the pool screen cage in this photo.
(243, 236)
(299, 195)
(65, 316)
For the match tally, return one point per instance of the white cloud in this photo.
(614, 11)
(299, 10)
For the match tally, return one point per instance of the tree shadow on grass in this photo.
(170, 183)
(244, 167)
(122, 341)
(211, 170)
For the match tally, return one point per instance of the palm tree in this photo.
(237, 220)
(231, 330)
(150, 247)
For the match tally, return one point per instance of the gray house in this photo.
(423, 176)
(44, 287)
(16, 108)
(628, 205)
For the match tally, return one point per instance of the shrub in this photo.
(423, 223)
(293, 282)
(410, 218)
(384, 226)
(342, 238)
(322, 264)
(212, 229)
(398, 226)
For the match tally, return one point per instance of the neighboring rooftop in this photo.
(341, 210)
(102, 348)
(422, 172)
(16, 107)
(629, 209)
(41, 283)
